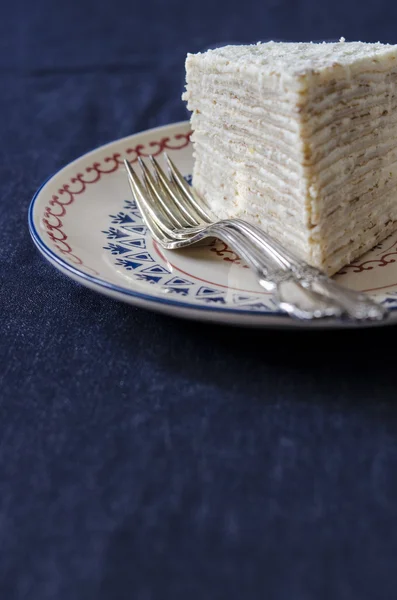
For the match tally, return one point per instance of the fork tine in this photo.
(152, 187)
(148, 215)
(187, 215)
(168, 191)
(191, 198)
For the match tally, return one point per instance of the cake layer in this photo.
(353, 121)
(273, 145)
(365, 157)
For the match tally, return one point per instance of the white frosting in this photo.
(296, 58)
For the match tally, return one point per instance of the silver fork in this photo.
(177, 217)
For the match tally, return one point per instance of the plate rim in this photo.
(258, 318)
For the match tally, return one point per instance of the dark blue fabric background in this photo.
(147, 458)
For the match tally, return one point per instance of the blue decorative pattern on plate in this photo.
(85, 223)
(132, 235)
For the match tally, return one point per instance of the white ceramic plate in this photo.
(84, 223)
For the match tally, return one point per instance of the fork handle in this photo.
(289, 293)
(277, 263)
(354, 304)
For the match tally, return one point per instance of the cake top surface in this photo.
(297, 58)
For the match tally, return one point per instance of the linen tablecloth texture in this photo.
(147, 458)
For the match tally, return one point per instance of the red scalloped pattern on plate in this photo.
(220, 248)
(57, 206)
(368, 265)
